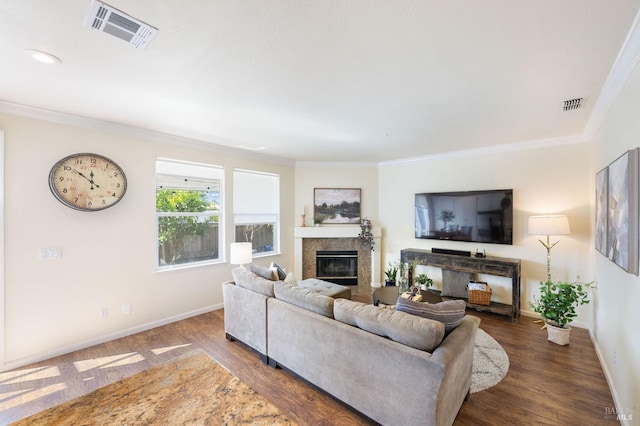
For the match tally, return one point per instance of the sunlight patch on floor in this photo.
(160, 351)
(108, 361)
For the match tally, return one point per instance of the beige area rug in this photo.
(490, 362)
(190, 390)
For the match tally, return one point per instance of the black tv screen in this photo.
(473, 216)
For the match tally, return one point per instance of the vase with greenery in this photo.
(366, 236)
(558, 302)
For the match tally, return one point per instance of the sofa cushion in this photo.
(411, 330)
(251, 281)
(326, 288)
(304, 298)
(265, 273)
(449, 312)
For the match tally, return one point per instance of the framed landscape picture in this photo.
(622, 212)
(337, 206)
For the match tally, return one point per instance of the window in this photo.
(256, 201)
(188, 213)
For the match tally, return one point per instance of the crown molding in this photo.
(130, 131)
(490, 150)
(625, 63)
(335, 164)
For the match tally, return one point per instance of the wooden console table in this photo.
(499, 266)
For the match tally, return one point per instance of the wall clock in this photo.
(87, 182)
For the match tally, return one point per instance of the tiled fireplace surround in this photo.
(310, 239)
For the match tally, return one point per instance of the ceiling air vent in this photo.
(105, 18)
(571, 104)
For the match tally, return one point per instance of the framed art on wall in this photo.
(602, 181)
(336, 205)
(622, 211)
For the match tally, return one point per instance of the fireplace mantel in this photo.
(337, 231)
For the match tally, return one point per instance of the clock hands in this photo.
(90, 180)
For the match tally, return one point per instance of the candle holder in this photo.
(304, 219)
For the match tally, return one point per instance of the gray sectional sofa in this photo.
(394, 367)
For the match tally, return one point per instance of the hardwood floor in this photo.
(546, 384)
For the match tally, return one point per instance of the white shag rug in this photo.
(490, 362)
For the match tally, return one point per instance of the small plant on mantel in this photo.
(557, 305)
(366, 236)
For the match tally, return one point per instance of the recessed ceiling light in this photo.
(44, 57)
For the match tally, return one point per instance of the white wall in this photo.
(108, 257)
(544, 180)
(617, 316)
(309, 176)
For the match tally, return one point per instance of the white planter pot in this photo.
(557, 335)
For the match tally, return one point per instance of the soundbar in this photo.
(453, 252)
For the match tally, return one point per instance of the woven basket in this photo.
(479, 297)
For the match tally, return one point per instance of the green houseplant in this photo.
(391, 272)
(557, 306)
(424, 281)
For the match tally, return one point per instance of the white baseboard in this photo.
(609, 377)
(106, 338)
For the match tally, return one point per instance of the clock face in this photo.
(87, 182)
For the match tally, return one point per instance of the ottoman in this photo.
(326, 288)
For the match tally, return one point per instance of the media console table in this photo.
(499, 266)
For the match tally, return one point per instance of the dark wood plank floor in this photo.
(546, 384)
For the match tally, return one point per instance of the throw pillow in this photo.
(290, 279)
(281, 273)
(450, 312)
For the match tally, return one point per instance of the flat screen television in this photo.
(472, 216)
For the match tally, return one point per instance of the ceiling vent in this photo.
(571, 104)
(105, 18)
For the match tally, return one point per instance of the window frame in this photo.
(219, 213)
(275, 214)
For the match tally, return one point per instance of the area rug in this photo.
(490, 362)
(191, 389)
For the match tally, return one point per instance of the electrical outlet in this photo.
(126, 309)
(615, 356)
(104, 313)
(50, 253)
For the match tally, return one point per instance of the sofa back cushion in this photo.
(449, 312)
(266, 273)
(251, 281)
(304, 298)
(419, 333)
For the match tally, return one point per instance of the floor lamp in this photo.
(549, 225)
(241, 254)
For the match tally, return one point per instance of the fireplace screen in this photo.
(339, 267)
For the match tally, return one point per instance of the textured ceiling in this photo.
(330, 80)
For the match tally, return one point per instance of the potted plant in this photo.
(557, 306)
(424, 281)
(391, 273)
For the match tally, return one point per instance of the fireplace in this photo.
(311, 239)
(337, 266)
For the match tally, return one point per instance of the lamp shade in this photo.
(549, 225)
(240, 253)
